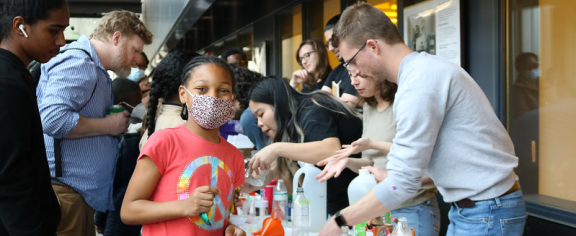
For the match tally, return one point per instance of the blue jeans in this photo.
(504, 216)
(424, 218)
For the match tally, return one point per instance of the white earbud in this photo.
(22, 29)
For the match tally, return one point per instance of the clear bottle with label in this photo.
(402, 228)
(301, 222)
(279, 208)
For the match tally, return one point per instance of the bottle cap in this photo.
(261, 203)
(363, 172)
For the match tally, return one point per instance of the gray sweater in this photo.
(446, 128)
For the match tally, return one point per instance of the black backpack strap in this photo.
(57, 141)
(58, 156)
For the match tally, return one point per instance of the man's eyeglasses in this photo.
(306, 56)
(241, 63)
(347, 64)
(140, 66)
(328, 42)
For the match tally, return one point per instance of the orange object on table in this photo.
(270, 227)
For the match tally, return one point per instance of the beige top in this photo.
(169, 117)
(381, 125)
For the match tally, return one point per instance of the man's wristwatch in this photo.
(340, 221)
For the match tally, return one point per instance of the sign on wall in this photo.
(434, 27)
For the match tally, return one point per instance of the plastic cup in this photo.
(253, 179)
(256, 180)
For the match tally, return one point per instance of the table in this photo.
(251, 223)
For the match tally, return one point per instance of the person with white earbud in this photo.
(29, 205)
(23, 31)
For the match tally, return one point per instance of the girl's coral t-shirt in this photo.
(185, 162)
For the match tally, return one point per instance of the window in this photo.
(389, 7)
(542, 101)
(290, 38)
(330, 9)
(244, 39)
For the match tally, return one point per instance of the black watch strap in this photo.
(340, 221)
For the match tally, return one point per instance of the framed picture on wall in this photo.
(434, 27)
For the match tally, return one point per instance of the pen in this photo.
(126, 104)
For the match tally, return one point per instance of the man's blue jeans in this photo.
(424, 218)
(504, 216)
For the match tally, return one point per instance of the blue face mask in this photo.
(136, 74)
(531, 74)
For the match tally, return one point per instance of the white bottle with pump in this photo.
(315, 192)
(360, 186)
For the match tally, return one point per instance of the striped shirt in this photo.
(72, 85)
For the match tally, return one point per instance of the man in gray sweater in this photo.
(446, 129)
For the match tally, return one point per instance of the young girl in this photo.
(378, 132)
(189, 169)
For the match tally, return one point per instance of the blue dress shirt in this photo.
(71, 85)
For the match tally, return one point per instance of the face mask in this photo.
(210, 112)
(531, 74)
(136, 74)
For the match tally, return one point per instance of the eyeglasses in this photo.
(240, 63)
(140, 66)
(347, 64)
(306, 56)
(327, 45)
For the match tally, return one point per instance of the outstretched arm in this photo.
(310, 152)
(335, 166)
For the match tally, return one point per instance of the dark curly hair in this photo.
(166, 82)
(31, 10)
(245, 80)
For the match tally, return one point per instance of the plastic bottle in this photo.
(345, 231)
(268, 194)
(301, 222)
(360, 186)
(280, 201)
(261, 207)
(315, 192)
(289, 218)
(402, 227)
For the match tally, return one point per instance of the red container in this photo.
(268, 194)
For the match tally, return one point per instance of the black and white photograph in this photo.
(422, 36)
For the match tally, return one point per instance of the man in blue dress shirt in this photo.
(74, 94)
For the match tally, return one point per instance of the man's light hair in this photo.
(361, 22)
(125, 22)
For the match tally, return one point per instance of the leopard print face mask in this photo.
(210, 112)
